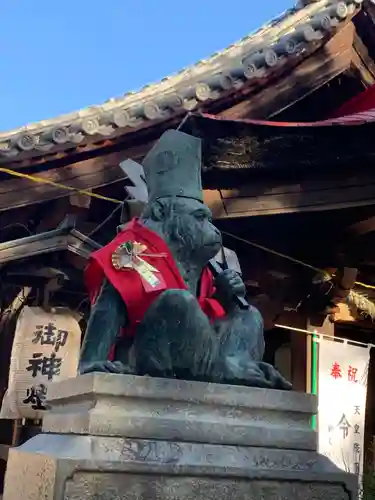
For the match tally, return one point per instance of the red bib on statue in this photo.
(139, 264)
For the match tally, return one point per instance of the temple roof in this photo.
(292, 36)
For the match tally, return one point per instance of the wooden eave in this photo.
(58, 240)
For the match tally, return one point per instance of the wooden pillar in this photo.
(326, 327)
(301, 348)
(299, 342)
(298, 349)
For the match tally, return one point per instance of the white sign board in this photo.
(45, 349)
(343, 370)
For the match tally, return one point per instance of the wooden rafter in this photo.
(362, 63)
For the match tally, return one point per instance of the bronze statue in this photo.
(156, 308)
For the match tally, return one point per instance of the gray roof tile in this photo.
(296, 31)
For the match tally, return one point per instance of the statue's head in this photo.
(175, 207)
(186, 226)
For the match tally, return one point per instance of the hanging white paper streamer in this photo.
(343, 370)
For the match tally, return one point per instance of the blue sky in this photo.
(59, 57)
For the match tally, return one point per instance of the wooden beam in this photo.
(313, 183)
(304, 196)
(51, 241)
(314, 72)
(4, 451)
(362, 63)
(53, 215)
(80, 201)
(17, 303)
(212, 198)
(362, 227)
(73, 208)
(15, 250)
(86, 174)
(299, 353)
(80, 244)
(363, 52)
(360, 70)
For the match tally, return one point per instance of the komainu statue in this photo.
(156, 308)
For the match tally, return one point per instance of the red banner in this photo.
(363, 102)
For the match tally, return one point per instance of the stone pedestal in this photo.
(112, 437)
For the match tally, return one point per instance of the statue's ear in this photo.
(158, 211)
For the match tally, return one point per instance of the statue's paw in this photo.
(274, 378)
(103, 367)
(253, 376)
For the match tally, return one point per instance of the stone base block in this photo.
(58, 467)
(152, 408)
(112, 437)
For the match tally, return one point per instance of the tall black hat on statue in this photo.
(171, 168)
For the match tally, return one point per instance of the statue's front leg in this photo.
(242, 341)
(108, 314)
(175, 339)
(241, 331)
(241, 352)
(241, 344)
